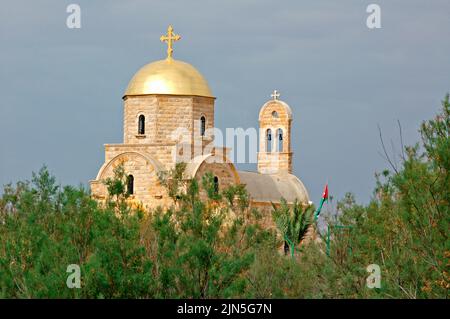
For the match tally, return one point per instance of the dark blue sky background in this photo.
(61, 89)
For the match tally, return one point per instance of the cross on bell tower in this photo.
(169, 38)
(275, 95)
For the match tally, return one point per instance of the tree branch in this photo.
(385, 152)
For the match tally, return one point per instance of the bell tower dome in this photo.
(275, 153)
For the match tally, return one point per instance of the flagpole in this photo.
(327, 198)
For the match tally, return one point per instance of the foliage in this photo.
(293, 222)
(405, 228)
(191, 250)
(173, 181)
(199, 251)
(48, 228)
(210, 244)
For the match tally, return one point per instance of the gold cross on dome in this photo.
(169, 38)
(275, 95)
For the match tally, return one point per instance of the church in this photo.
(170, 95)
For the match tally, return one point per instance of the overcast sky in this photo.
(61, 88)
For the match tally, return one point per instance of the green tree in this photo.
(46, 227)
(200, 252)
(117, 187)
(405, 227)
(174, 182)
(293, 222)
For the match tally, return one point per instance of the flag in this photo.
(325, 193)
(322, 200)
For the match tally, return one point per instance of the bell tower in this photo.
(275, 153)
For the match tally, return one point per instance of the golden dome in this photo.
(168, 76)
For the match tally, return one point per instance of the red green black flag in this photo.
(323, 199)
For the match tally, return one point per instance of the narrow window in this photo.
(141, 125)
(280, 140)
(216, 185)
(130, 184)
(202, 126)
(269, 140)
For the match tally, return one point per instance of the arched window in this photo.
(275, 114)
(269, 140)
(280, 140)
(130, 184)
(141, 125)
(216, 185)
(202, 126)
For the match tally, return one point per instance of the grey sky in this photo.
(61, 89)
